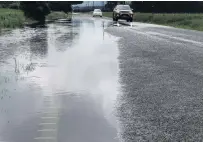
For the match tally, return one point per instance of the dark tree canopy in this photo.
(10, 4)
(39, 9)
(35, 9)
(162, 6)
(64, 6)
(5, 4)
(168, 6)
(110, 5)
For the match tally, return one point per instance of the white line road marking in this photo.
(51, 108)
(45, 138)
(49, 117)
(47, 124)
(47, 130)
(50, 114)
(49, 121)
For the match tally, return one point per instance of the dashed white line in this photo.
(49, 117)
(51, 108)
(51, 114)
(47, 124)
(45, 138)
(47, 130)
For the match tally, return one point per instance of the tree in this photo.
(64, 6)
(14, 5)
(5, 4)
(39, 9)
(10, 4)
(35, 9)
(110, 5)
(167, 6)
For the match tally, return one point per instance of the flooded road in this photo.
(97, 81)
(59, 83)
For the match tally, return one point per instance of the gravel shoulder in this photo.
(161, 72)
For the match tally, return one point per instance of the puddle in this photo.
(78, 58)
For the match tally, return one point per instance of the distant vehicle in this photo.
(123, 12)
(97, 12)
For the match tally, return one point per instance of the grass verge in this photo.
(58, 15)
(182, 20)
(10, 18)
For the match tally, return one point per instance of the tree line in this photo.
(162, 6)
(10, 4)
(38, 10)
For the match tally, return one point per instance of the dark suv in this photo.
(123, 12)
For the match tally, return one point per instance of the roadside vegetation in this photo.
(16, 14)
(11, 18)
(58, 15)
(181, 14)
(184, 20)
(14, 18)
(40, 10)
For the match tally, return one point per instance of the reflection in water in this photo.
(16, 66)
(76, 23)
(66, 39)
(38, 43)
(89, 70)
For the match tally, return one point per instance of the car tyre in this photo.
(114, 19)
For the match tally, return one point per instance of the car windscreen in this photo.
(124, 7)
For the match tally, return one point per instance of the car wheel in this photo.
(114, 19)
(131, 20)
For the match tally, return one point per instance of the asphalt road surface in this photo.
(93, 80)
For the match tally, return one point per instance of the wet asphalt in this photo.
(93, 80)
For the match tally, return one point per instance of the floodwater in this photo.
(59, 83)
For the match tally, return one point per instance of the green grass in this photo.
(10, 18)
(107, 14)
(184, 20)
(58, 15)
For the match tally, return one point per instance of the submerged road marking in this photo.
(49, 117)
(50, 114)
(49, 121)
(47, 130)
(51, 108)
(45, 138)
(47, 124)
